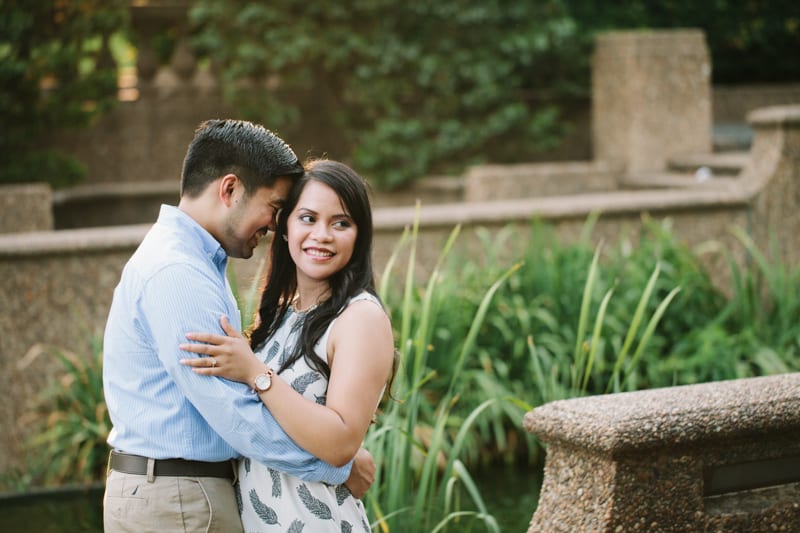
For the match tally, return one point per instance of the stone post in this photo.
(651, 97)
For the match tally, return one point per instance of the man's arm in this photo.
(362, 476)
(183, 298)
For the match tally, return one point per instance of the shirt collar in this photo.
(212, 249)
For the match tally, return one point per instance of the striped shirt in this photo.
(174, 283)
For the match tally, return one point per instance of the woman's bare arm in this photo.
(360, 352)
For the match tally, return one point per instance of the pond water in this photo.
(510, 492)
(67, 510)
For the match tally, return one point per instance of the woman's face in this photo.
(321, 235)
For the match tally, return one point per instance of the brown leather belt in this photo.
(136, 464)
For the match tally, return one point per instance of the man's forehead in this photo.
(278, 190)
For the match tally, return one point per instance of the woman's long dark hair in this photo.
(355, 278)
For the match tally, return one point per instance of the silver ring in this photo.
(213, 362)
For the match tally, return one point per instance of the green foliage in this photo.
(750, 41)
(406, 88)
(74, 423)
(419, 440)
(573, 321)
(52, 75)
(756, 331)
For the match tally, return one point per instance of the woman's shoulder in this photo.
(363, 313)
(364, 296)
(364, 309)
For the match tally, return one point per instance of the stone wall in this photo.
(497, 182)
(25, 208)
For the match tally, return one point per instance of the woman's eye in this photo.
(341, 224)
(308, 219)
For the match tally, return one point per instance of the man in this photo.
(175, 432)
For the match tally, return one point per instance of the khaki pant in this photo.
(169, 504)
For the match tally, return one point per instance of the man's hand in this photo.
(362, 475)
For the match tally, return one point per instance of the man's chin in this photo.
(243, 253)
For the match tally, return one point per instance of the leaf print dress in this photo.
(270, 500)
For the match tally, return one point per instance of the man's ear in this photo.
(227, 189)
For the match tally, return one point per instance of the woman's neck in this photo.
(307, 298)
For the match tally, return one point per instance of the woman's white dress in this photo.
(270, 500)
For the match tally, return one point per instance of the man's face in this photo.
(250, 217)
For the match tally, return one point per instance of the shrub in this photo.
(73, 422)
(405, 88)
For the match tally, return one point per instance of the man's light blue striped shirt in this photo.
(175, 283)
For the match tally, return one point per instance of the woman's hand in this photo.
(229, 355)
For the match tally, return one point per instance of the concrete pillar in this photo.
(651, 97)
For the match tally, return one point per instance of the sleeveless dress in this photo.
(270, 500)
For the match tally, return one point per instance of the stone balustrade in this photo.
(721, 456)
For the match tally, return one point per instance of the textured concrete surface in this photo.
(651, 97)
(499, 182)
(25, 208)
(638, 461)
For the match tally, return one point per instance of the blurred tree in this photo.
(409, 88)
(418, 87)
(54, 73)
(750, 41)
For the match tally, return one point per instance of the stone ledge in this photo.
(726, 163)
(102, 191)
(563, 207)
(689, 414)
(79, 241)
(787, 115)
(497, 182)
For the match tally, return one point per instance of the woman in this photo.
(323, 345)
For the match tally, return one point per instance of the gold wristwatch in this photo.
(263, 381)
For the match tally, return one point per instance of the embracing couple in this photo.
(216, 430)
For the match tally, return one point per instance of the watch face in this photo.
(263, 382)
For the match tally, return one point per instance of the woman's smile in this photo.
(319, 253)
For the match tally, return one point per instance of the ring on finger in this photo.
(213, 361)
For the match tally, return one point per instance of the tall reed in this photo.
(421, 478)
